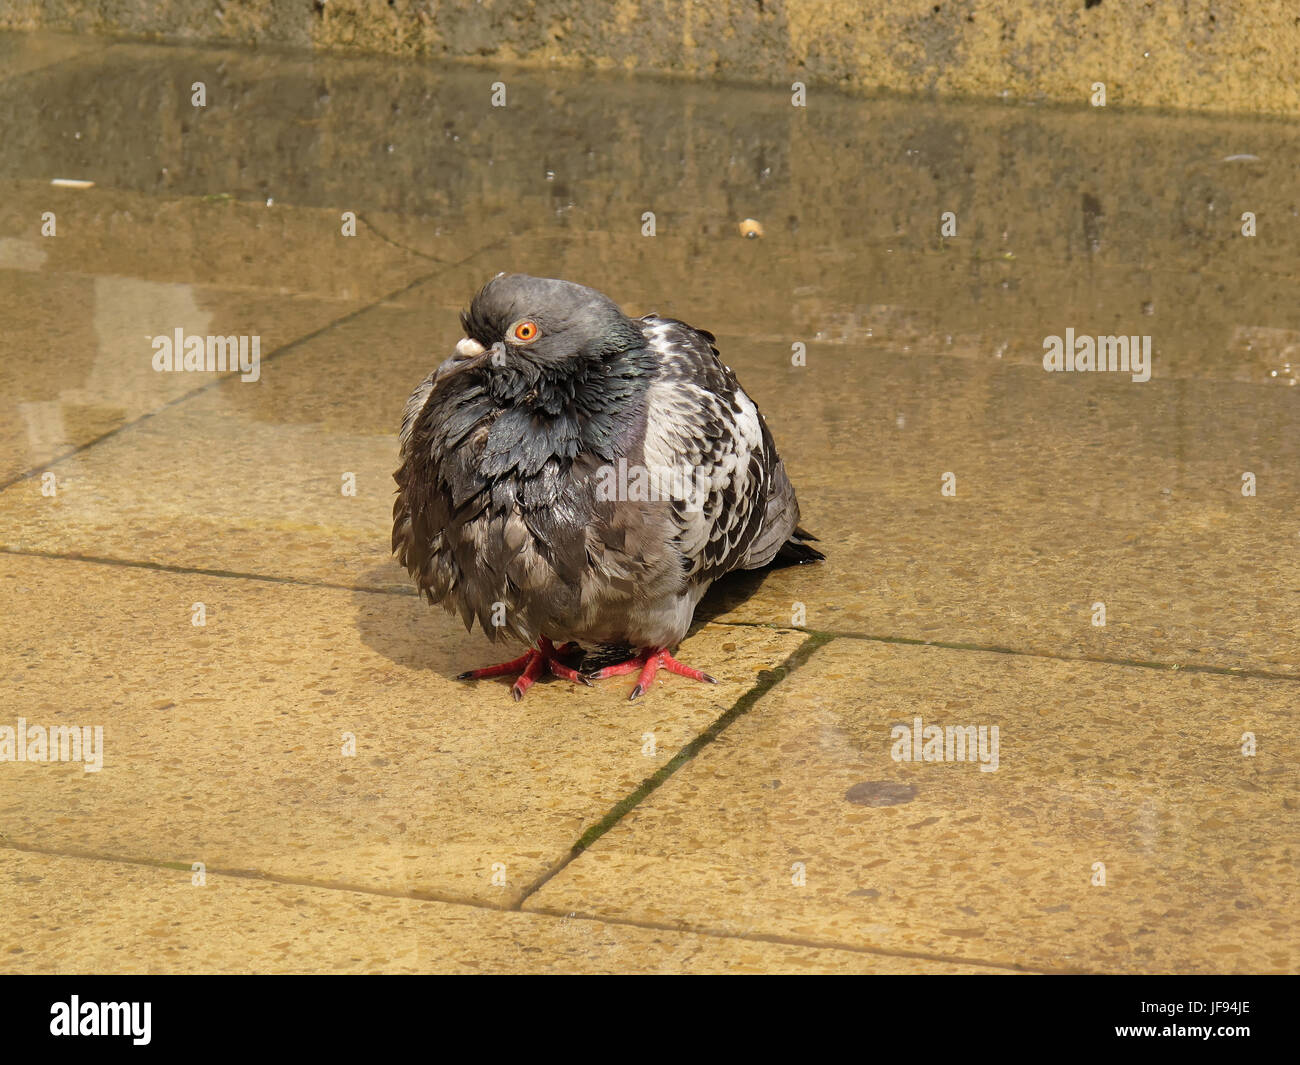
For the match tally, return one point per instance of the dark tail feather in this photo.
(796, 550)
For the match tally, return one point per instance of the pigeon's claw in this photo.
(536, 663)
(528, 667)
(649, 661)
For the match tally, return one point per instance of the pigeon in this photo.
(572, 476)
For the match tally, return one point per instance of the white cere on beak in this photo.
(467, 348)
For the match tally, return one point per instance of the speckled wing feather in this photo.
(699, 417)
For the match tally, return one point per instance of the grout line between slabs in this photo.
(768, 680)
(480, 904)
(815, 944)
(278, 353)
(12, 80)
(394, 244)
(201, 571)
(252, 874)
(829, 634)
(996, 649)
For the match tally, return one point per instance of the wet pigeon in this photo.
(575, 476)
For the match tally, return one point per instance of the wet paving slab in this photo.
(86, 382)
(320, 733)
(167, 920)
(1102, 818)
(1130, 545)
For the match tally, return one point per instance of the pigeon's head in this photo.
(555, 327)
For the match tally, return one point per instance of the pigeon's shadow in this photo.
(726, 594)
(401, 626)
(393, 620)
(731, 591)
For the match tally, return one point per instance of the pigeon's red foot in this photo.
(528, 667)
(649, 662)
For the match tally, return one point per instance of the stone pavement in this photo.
(299, 785)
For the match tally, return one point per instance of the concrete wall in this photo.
(1212, 55)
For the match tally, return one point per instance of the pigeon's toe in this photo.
(647, 663)
(530, 665)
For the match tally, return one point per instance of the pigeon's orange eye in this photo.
(525, 331)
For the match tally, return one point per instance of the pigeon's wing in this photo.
(740, 509)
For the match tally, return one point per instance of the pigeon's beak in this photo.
(469, 353)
